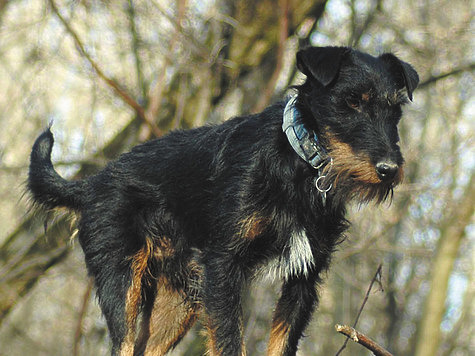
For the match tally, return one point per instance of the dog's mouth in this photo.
(355, 175)
(352, 185)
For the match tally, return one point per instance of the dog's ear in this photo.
(321, 63)
(405, 74)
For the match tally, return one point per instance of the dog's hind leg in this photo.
(119, 284)
(165, 320)
(139, 265)
(119, 299)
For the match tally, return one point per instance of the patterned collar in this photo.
(304, 142)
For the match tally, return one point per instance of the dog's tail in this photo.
(46, 186)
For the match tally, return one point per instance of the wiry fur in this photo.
(174, 228)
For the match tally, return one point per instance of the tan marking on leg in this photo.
(278, 338)
(253, 226)
(171, 318)
(211, 344)
(127, 349)
(139, 267)
(163, 248)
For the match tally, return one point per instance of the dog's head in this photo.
(354, 103)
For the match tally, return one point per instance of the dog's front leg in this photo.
(292, 314)
(222, 286)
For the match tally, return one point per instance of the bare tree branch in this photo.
(82, 314)
(377, 277)
(198, 48)
(3, 5)
(451, 236)
(362, 339)
(468, 68)
(111, 82)
(135, 48)
(156, 93)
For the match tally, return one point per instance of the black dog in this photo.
(176, 226)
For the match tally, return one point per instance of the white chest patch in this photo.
(296, 259)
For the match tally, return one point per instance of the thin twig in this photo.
(156, 93)
(136, 41)
(196, 46)
(180, 101)
(377, 277)
(82, 315)
(139, 110)
(42, 261)
(362, 339)
(468, 68)
(182, 90)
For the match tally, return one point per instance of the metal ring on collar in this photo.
(320, 189)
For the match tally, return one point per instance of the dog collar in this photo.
(304, 142)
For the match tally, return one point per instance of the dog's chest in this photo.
(296, 259)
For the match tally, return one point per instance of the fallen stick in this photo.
(362, 339)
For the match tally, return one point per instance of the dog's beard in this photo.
(354, 177)
(349, 187)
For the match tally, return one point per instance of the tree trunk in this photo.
(429, 337)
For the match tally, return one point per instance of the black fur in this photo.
(189, 217)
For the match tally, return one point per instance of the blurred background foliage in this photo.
(111, 74)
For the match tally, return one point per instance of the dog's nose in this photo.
(386, 170)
